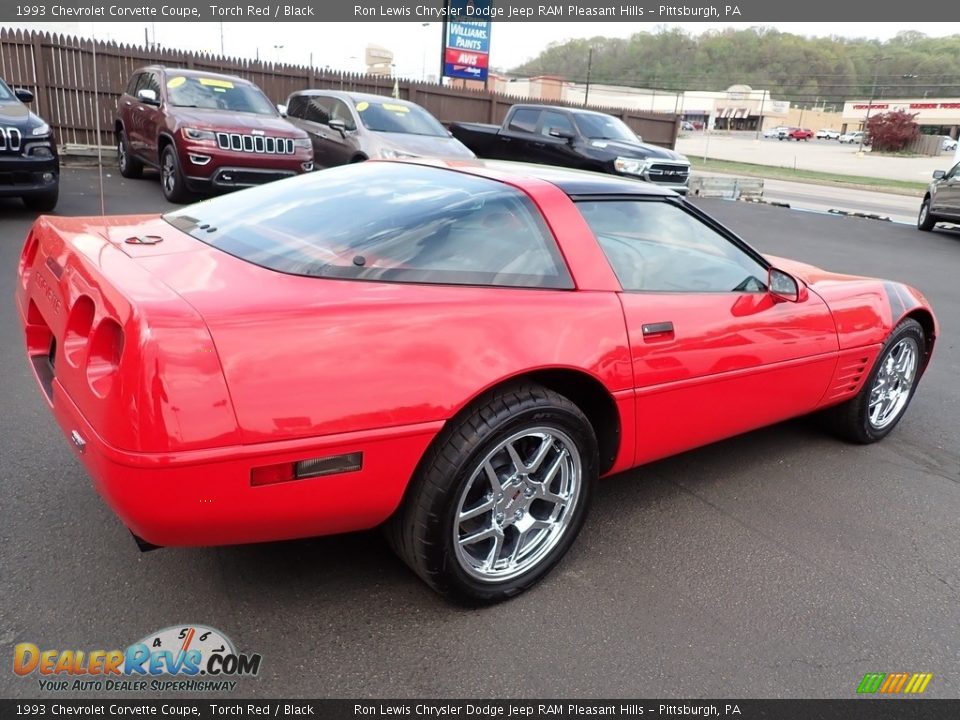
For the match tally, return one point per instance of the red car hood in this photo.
(236, 122)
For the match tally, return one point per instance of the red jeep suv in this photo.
(205, 132)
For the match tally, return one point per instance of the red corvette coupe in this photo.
(458, 350)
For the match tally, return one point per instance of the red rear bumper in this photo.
(204, 497)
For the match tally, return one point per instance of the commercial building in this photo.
(740, 107)
(935, 116)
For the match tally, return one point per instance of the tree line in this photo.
(804, 70)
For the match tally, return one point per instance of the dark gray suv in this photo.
(942, 200)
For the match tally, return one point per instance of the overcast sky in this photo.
(417, 48)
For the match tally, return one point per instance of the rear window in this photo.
(388, 222)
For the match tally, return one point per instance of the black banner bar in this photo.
(637, 11)
(852, 709)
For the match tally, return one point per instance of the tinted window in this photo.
(317, 110)
(953, 172)
(397, 117)
(149, 81)
(524, 120)
(604, 127)
(657, 246)
(132, 85)
(216, 93)
(553, 120)
(340, 111)
(384, 221)
(296, 107)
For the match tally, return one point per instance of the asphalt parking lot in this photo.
(782, 563)
(820, 155)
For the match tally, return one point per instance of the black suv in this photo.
(29, 164)
(941, 203)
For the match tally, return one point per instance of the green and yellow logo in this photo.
(894, 683)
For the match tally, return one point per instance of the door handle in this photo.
(660, 328)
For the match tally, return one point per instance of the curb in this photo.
(868, 216)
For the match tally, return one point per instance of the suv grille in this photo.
(669, 172)
(255, 144)
(10, 139)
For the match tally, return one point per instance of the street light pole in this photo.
(586, 94)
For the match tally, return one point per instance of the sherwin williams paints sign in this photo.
(466, 51)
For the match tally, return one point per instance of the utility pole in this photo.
(873, 94)
(763, 97)
(586, 94)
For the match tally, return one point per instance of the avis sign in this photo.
(466, 51)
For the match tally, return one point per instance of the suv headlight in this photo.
(39, 130)
(630, 166)
(196, 134)
(303, 143)
(392, 154)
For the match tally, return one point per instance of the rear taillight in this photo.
(103, 362)
(27, 257)
(77, 332)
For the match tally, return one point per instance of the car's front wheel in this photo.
(882, 401)
(171, 179)
(500, 496)
(926, 220)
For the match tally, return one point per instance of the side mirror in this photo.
(282, 109)
(937, 174)
(783, 285)
(148, 96)
(563, 134)
(339, 125)
(23, 95)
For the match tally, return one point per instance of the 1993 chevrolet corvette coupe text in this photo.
(455, 349)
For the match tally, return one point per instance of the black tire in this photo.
(358, 159)
(171, 178)
(422, 531)
(45, 202)
(850, 420)
(926, 220)
(129, 166)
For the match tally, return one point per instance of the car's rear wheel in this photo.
(171, 179)
(882, 401)
(926, 220)
(129, 166)
(500, 496)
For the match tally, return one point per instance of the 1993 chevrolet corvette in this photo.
(456, 350)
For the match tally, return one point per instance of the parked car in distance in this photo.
(580, 139)
(828, 134)
(941, 202)
(948, 143)
(29, 161)
(854, 137)
(458, 349)
(205, 133)
(347, 127)
(774, 132)
(796, 134)
(687, 126)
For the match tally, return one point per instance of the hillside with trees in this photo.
(804, 70)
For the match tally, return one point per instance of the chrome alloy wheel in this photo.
(168, 173)
(517, 504)
(894, 381)
(122, 154)
(924, 211)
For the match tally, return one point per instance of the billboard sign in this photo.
(466, 51)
